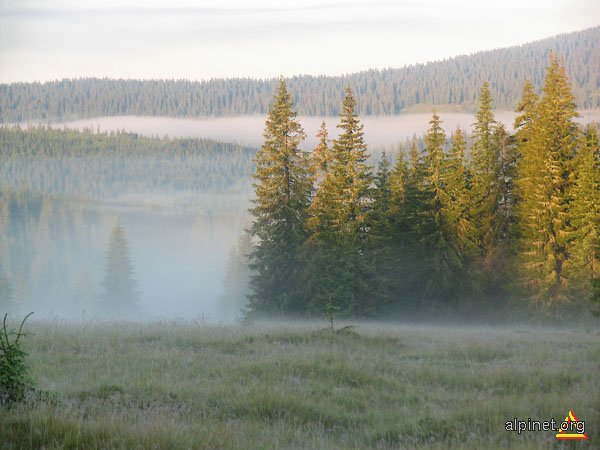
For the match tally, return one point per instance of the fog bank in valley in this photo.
(380, 131)
(183, 213)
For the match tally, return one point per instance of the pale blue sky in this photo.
(45, 40)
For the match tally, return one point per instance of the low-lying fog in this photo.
(380, 131)
(182, 243)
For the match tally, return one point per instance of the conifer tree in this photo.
(585, 211)
(526, 109)
(484, 179)
(397, 186)
(322, 155)
(282, 193)
(507, 166)
(382, 198)
(381, 229)
(391, 258)
(440, 257)
(543, 184)
(455, 201)
(414, 157)
(120, 294)
(340, 214)
(409, 231)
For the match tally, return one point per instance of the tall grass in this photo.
(183, 385)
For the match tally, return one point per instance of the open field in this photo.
(272, 386)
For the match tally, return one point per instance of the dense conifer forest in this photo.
(455, 220)
(453, 84)
(513, 226)
(107, 166)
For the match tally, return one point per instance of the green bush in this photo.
(14, 373)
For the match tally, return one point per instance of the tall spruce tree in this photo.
(484, 170)
(441, 259)
(585, 212)
(382, 200)
(120, 294)
(408, 232)
(381, 229)
(391, 260)
(455, 200)
(342, 262)
(543, 184)
(282, 193)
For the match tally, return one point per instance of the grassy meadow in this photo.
(175, 385)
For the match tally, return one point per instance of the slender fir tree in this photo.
(340, 222)
(441, 260)
(455, 199)
(585, 212)
(397, 183)
(322, 155)
(526, 113)
(282, 194)
(120, 294)
(484, 170)
(382, 199)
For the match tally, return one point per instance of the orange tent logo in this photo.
(570, 424)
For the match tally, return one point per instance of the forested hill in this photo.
(454, 81)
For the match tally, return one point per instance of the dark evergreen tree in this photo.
(381, 229)
(120, 295)
(382, 200)
(441, 260)
(484, 170)
(455, 201)
(397, 186)
(340, 222)
(282, 193)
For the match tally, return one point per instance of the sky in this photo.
(43, 40)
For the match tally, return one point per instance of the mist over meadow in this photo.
(183, 239)
(182, 205)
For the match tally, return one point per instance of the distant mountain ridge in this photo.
(452, 83)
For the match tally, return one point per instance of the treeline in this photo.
(433, 230)
(111, 166)
(61, 189)
(453, 82)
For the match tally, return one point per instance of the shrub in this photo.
(15, 381)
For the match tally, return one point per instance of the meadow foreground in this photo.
(174, 385)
